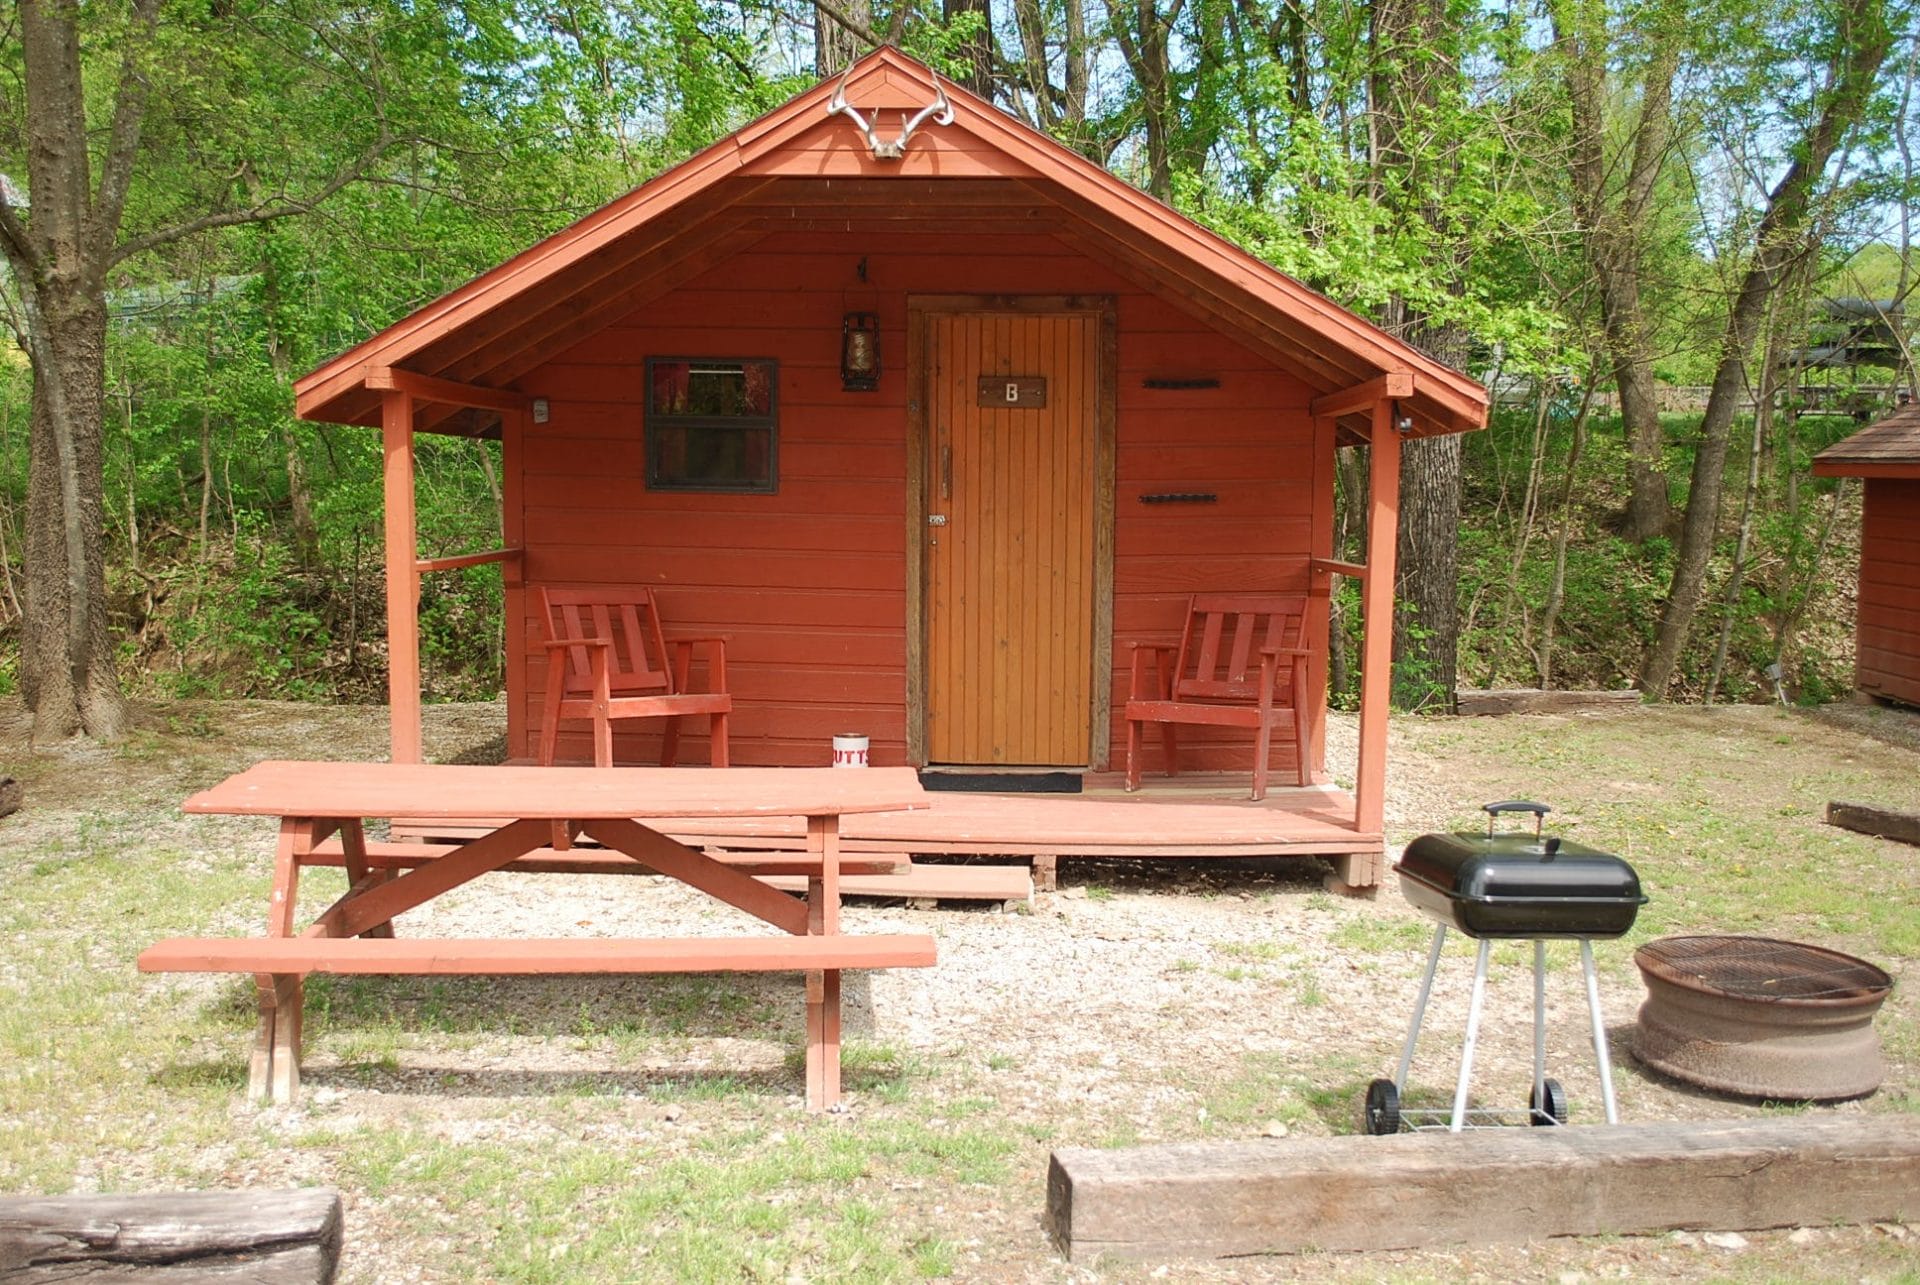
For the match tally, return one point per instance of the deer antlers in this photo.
(939, 110)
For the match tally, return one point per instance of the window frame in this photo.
(655, 422)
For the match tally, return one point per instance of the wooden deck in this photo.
(1198, 816)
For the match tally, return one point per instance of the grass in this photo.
(550, 1130)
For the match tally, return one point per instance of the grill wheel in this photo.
(1553, 1111)
(1383, 1108)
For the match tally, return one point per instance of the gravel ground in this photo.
(1127, 1007)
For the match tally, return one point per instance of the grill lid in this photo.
(1763, 968)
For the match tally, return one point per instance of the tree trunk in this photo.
(1779, 241)
(1147, 50)
(1615, 233)
(1426, 619)
(66, 656)
(1412, 58)
(833, 45)
(978, 47)
(306, 531)
(66, 652)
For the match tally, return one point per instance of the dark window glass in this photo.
(712, 424)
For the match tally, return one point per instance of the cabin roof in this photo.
(1889, 448)
(787, 169)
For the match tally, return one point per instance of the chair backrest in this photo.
(1219, 657)
(626, 616)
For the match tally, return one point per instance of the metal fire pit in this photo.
(1761, 1018)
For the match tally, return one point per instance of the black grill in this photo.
(1519, 885)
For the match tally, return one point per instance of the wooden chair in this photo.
(1239, 664)
(607, 659)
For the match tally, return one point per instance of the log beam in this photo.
(1882, 823)
(1216, 1199)
(273, 1237)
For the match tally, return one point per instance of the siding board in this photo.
(808, 584)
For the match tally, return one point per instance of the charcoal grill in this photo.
(1506, 887)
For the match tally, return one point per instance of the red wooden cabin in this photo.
(1085, 408)
(1887, 638)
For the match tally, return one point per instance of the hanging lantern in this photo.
(860, 352)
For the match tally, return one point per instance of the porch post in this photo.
(403, 579)
(1376, 673)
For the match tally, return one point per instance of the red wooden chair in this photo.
(607, 659)
(1239, 664)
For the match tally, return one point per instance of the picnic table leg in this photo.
(823, 986)
(289, 996)
(260, 1068)
(274, 1072)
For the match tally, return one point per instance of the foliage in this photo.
(503, 120)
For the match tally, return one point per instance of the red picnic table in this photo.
(546, 809)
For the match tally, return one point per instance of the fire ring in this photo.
(1761, 1018)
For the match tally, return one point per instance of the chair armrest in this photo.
(716, 647)
(552, 643)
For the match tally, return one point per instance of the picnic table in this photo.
(323, 807)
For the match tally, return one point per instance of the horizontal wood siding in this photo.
(808, 584)
(1888, 658)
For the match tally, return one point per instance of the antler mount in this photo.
(940, 111)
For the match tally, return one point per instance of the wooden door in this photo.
(1011, 415)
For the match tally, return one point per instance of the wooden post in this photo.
(823, 987)
(1376, 672)
(513, 534)
(1319, 621)
(403, 580)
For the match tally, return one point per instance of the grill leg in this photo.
(1473, 1032)
(1599, 1032)
(1420, 1008)
(1540, 1026)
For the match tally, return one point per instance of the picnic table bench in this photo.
(322, 808)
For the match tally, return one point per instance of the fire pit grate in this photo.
(1761, 1018)
(1762, 968)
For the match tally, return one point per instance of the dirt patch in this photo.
(1146, 1001)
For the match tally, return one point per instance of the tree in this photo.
(1413, 90)
(129, 109)
(1612, 211)
(1852, 49)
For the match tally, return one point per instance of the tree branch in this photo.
(123, 139)
(848, 23)
(19, 246)
(258, 214)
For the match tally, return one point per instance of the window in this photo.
(712, 424)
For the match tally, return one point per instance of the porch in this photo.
(1195, 816)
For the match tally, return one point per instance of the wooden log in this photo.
(1533, 700)
(1215, 1199)
(1882, 823)
(269, 1237)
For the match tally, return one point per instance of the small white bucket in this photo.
(849, 749)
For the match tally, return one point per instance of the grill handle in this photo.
(1493, 811)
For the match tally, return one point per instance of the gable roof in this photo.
(505, 322)
(1890, 448)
